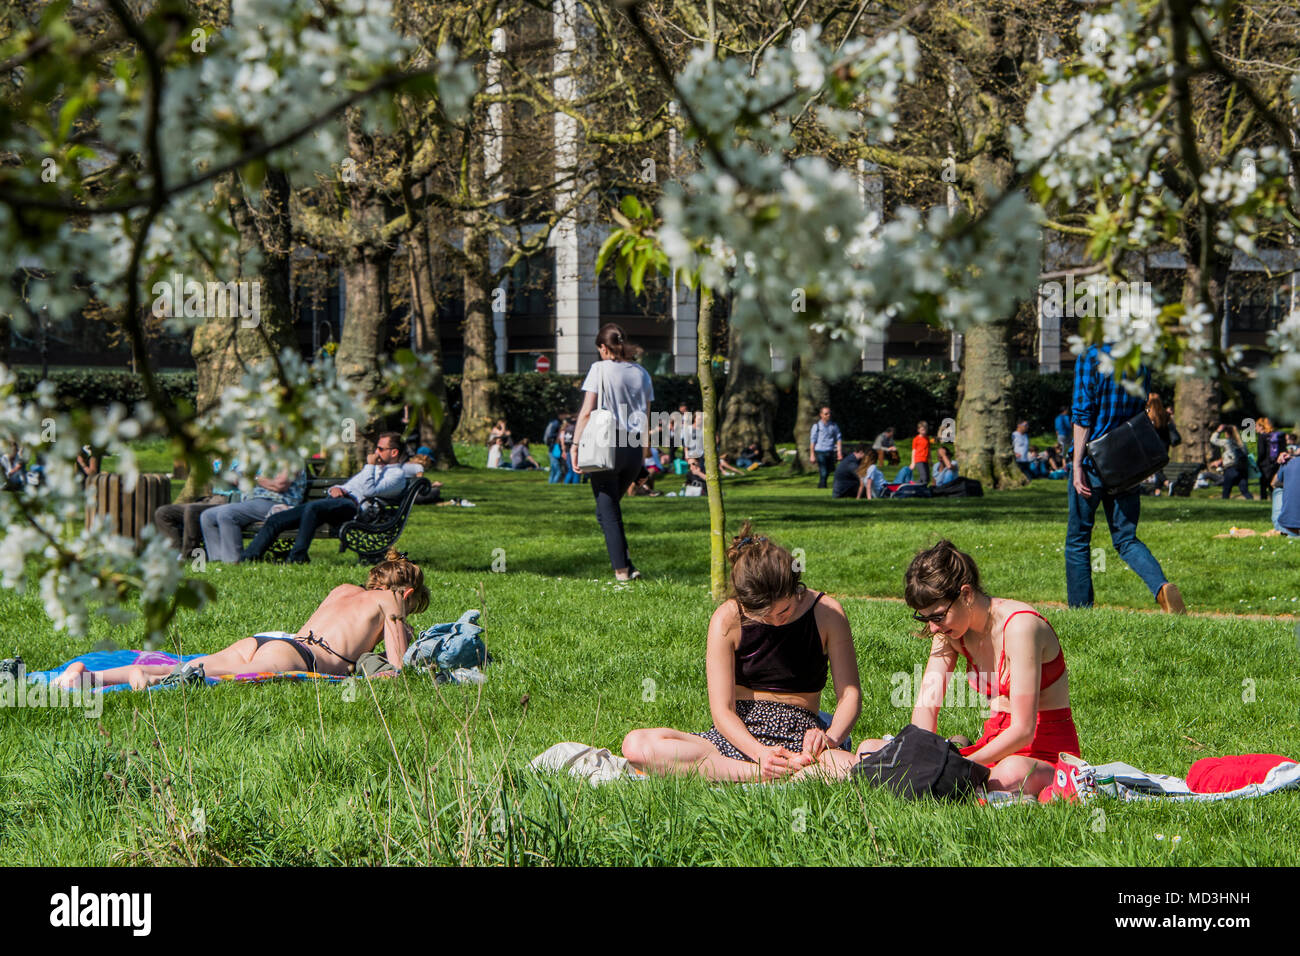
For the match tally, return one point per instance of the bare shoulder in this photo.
(725, 622)
(1020, 627)
(829, 609)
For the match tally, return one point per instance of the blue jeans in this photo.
(1122, 516)
(558, 470)
(825, 462)
(223, 526)
(305, 518)
(1277, 514)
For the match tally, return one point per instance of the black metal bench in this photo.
(370, 534)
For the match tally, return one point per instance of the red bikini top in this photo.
(1051, 671)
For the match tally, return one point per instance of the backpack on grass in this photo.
(917, 763)
(960, 488)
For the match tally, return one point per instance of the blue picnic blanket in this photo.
(102, 660)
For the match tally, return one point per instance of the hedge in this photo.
(863, 405)
(80, 388)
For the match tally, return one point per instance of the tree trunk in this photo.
(424, 318)
(814, 392)
(1196, 400)
(222, 348)
(984, 413)
(480, 399)
(749, 405)
(361, 340)
(713, 474)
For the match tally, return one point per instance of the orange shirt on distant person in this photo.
(921, 450)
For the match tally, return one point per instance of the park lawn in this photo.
(402, 771)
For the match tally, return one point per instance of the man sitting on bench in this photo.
(382, 475)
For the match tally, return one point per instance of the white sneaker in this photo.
(467, 504)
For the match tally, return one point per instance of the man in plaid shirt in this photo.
(1100, 404)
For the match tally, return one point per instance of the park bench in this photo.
(375, 528)
(1181, 476)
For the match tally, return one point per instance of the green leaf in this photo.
(638, 273)
(630, 207)
(606, 247)
(254, 173)
(68, 115)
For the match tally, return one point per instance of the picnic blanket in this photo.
(1133, 784)
(102, 660)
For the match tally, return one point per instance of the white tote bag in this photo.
(596, 448)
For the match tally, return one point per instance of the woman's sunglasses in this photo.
(934, 618)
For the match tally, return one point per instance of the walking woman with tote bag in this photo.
(616, 409)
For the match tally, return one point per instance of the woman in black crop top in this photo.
(769, 650)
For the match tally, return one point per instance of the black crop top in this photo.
(788, 658)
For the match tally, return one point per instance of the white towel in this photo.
(597, 765)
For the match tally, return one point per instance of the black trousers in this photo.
(609, 488)
(181, 523)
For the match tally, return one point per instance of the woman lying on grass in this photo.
(350, 622)
(1013, 657)
(766, 660)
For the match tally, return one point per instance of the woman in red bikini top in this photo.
(1013, 658)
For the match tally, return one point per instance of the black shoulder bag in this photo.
(918, 763)
(1128, 454)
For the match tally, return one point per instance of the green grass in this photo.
(408, 773)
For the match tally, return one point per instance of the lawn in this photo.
(406, 772)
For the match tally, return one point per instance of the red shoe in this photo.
(1075, 781)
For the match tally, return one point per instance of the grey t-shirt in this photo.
(627, 392)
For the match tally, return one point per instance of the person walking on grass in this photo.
(627, 392)
(1236, 469)
(1100, 404)
(1020, 447)
(824, 440)
(769, 649)
(1271, 443)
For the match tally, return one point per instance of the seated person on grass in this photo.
(381, 476)
(696, 479)
(872, 478)
(845, 483)
(521, 458)
(945, 472)
(769, 649)
(1013, 658)
(350, 622)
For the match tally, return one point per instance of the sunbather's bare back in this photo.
(351, 621)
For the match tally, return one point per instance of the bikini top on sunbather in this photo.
(1052, 670)
(788, 657)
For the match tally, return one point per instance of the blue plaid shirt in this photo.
(1101, 403)
(823, 437)
(292, 496)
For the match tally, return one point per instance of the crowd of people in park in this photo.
(772, 646)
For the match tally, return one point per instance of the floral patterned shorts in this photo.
(772, 723)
